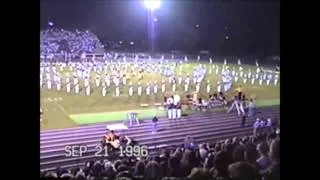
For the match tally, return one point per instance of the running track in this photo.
(202, 127)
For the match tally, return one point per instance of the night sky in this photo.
(253, 27)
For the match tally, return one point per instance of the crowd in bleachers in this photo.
(54, 40)
(238, 158)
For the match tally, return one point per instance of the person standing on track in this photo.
(154, 124)
(41, 113)
(251, 108)
(170, 107)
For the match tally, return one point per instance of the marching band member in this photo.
(76, 88)
(240, 68)
(148, 90)
(197, 87)
(117, 91)
(75, 79)
(105, 69)
(107, 80)
(94, 68)
(88, 91)
(173, 85)
(86, 81)
(124, 79)
(48, 75)
(41, 70)
(47, 68)
(217, 70)
(264, 76)
(76, 84)
(58, 82)
(49, 83)
(170, 107)
(116, 81)
(140, 77)
(104, 89)
(245, 79)
(210, 60)
(241, 73)
(130, 89)
(139, 89)
(68, 85)
(260, 81)
(97, 80)
(155, 87)
(163, 87)
(208, 86)
(269, 79)
(276, 79)
(54, 68)
(174, 111)
(257, 76)
(252, 80)
(249, 73)
(258, 70)
(71, 67)
(41, 113)
(170, 79)
(186, 87)
(176, 101)
(218, 86)
(239, 62)
(179, 80)
(179, 107)
(187, 80)
(233, 72)
(86, 85)
(194, 79)
(236, 77)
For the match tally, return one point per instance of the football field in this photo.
(63, 110)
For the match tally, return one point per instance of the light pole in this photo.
(151, 6)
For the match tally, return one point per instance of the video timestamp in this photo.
(127, 151)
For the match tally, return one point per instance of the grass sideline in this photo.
(91, 118)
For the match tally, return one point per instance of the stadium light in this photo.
(152, 4)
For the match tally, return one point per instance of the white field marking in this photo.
(61, 108)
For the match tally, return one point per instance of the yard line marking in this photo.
(62, 109)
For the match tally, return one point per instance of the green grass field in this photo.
(62, 109)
